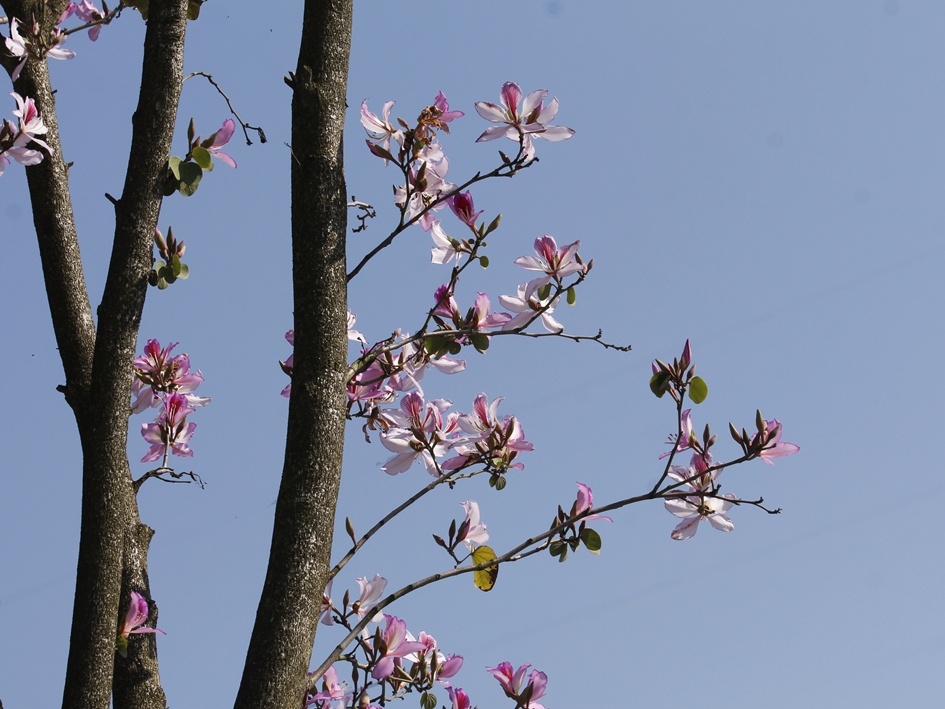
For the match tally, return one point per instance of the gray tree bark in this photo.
(280, 649)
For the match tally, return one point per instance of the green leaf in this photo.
(659, 383)
(174, 166)
(698, 390)
(544, 291)
(454, 348)
(121, 646)
(184, 271)
(484, 261)
(190, 174)
(591, 540)
(434, 344)
(428, 700)
(572, 296)
(479, 341)
(202, 157)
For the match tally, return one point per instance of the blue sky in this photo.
(767, 179)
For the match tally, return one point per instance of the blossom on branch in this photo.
(14, 138)
(774, 447)
(522, 124)
(31, 44)
(526, 305)
(512, 682)
(471, 532)
(135, 618)
(696, 498)
(396, 646)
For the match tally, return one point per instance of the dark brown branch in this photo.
(243, 124)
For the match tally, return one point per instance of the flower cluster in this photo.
(693, 495)
(166, 383)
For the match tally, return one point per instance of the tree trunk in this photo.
(281, 645)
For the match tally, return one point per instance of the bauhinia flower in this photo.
(472, 532)
(170, 432)
(556, 263)
(135, 618)
(522, 124)
(459, 698)
(774, 447)
(157, 374)
(463, 207)
(585, 502)
(371, 592)
(526, 306)
(684, 441)
(380, 129)
(14, 138)
(512, 682)
(215, 142)
(418, 429)
(696, 499)
(32, 45)
(397, 645)
(333, 694)
(86, 12)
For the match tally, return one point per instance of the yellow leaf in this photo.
(485, 579)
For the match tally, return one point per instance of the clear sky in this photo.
(767, 179)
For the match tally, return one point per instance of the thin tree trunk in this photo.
(281, 645)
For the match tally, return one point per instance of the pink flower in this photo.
(136, 616)
(333, 695)
(774, 447)
(380, 129)
(698, 501)
(324, 615)
(14, 138)
(462, 205)
(219, 139)
(26, 47)
(445, 247)
(158, 374)
(526, 305)
(397, 646)
(585, 502)
(85, 11)
(521, 125)
(511, 683)
(684, 441)
(459, 698)
(555, 263)
(447, 116)
(497, 443)
(417, 430)
(471, 532)
(170, 432)
(371, 592)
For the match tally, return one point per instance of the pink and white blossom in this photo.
(526, 305)
(136, 617)
(170, 432)
(215, 142)
(522, 124)
(514, 685)
(397, 646)
(696, 499)
(371, 592)
(556, 263)
(473, 532)
(334, 693)
(585, 502)
(684, 441)
(417, 429)
(775, 447)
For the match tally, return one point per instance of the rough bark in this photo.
(280, 649)
(98, 368)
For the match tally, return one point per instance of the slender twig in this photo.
(510, 169)
(157, 473)
(243, 124)
(367, 212)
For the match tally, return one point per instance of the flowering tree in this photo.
(113, 654)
